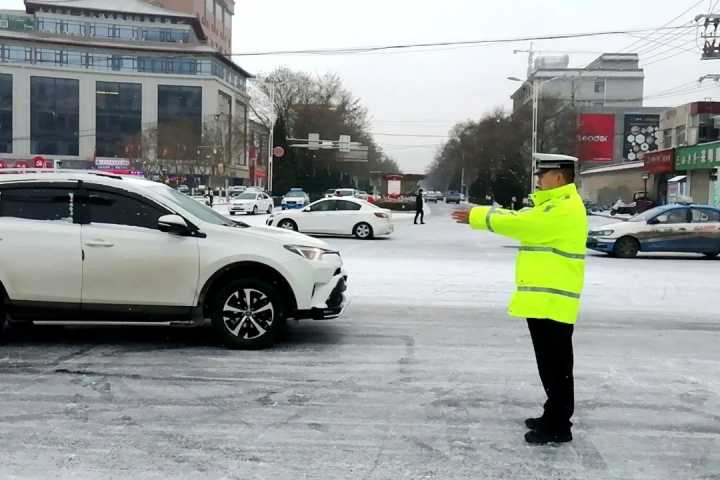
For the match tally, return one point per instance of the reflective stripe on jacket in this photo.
(550, 267)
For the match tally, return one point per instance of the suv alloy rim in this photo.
(248, 314)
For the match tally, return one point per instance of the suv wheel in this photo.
(626, 247)
(288, 225)
(247, 313)
(255, 210)
(270, 209)
(363, 231)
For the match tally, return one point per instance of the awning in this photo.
(679, 178)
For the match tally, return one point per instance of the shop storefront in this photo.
(701, 162)
(660, 166)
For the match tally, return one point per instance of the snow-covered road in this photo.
(425, 378)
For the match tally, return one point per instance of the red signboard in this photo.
(22, 164)
(660, 161)
(38, 162)
(596, 135)
(3, 164)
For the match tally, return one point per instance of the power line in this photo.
(661, 41)
(385, 48)
(681, 49)
(639, 42)
(662, 59)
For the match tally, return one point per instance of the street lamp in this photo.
(536, 88)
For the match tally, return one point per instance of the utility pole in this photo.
(271, 141)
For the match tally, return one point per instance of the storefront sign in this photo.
(698, 157)
(596, 134)
(641, 135)
(660, 161)
(112, 163)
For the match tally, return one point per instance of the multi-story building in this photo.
(215, 17)
(97, 83)
(692, 131)
(611, 80)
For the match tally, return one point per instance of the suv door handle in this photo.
(99, 244)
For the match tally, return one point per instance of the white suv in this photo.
(88, 248)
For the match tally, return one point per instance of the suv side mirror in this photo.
(307, 209)
(174, 224)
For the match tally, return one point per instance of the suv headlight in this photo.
(602, 233)
(311, 253)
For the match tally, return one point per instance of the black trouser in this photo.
(554, 353)
(420, 213)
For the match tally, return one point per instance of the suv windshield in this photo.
(193, 207)
(295, 194)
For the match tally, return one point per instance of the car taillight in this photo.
(382, 215)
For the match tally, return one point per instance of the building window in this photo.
(118, 118)
(209, 12)
(599, 86)
(6, 113)
(54, 116)
(667, 138)
(680, 136)
(179, 121)
(240, 133)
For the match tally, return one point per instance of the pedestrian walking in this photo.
(419, 207)
(211, 198)
(550, 271)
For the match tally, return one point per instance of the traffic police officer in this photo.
(550, 271)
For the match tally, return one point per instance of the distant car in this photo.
(235, 189)
(453, 197)
(251, 203)
(432, 196)
(341, 192)
(295, 198)
(337, 216)
(183, 189)
(670, 228)
(362, 195)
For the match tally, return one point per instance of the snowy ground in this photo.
(425, 378)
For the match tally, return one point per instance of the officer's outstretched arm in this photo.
(534, 225)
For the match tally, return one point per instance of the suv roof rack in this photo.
(98, 173)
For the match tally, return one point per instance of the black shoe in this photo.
(541, 437)
(534, 423)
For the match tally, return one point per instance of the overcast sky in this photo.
(426, 92)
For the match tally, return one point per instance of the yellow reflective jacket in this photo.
(550, 267)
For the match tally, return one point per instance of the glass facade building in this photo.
(179, 121)
(54, 116)
(6, 113)
(118, 114)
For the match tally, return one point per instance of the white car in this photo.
(251, 203)
(295, 198)
(337, 216)
(669, 228)
(93, 249)
(341, 192)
